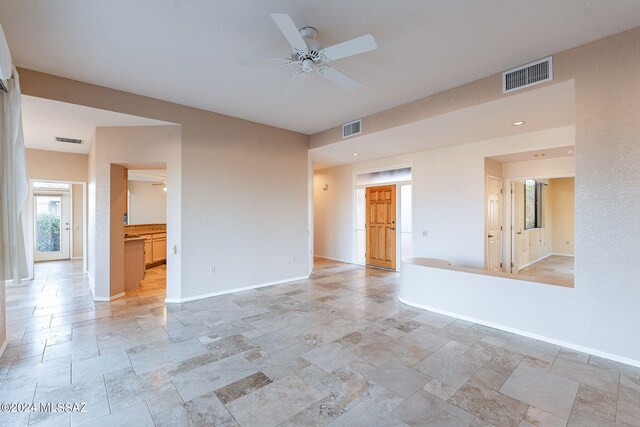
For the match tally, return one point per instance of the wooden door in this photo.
(494, 224)
(381, 226)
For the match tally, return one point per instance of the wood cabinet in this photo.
(159, 249)
(134, 264)
(155, 248)
(155, 241)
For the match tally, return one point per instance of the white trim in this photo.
(533, 262)
(108, 299)
(85, 221)
(3, 347)
(554, 341)
(338, 260)
(230, 291)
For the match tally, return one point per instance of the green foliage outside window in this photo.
(48, 233)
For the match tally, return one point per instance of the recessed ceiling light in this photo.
(539, 155)
(518, 123)
(354, 154)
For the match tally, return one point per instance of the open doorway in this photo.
(383, 217)
(145, 229)
(529, 214)
(542, 217)
(57, 223)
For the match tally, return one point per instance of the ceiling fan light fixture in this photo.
(518, 123)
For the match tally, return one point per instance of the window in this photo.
(51, 185)
(382, 177)
(533, 204)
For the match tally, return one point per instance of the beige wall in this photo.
(57, 166)
(607, 155)
(563, 213)
(448, 197)
(241, 189)
(147, 203)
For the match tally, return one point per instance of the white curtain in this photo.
(14, 184)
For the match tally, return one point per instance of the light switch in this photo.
(424, 232)
(173, 249)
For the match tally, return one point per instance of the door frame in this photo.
(395, 224)
(48, 256)
(508, 218)
(398, 184)
(486, 220)
(30, 229)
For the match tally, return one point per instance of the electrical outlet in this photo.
(212, 269)
(424, 232)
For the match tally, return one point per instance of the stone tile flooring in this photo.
(556, 268)
(337, 349)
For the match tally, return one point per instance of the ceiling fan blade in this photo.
(351, 47)
(339, 78)
(264, 61)
(289, 30)
(294, 87)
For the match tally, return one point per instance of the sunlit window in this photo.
(533, 204)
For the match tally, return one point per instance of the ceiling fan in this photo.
(307, 52)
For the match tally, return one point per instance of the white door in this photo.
(494, 224)
(52, 228)
(517, 221)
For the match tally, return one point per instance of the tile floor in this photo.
(337, 349)
(557, 268)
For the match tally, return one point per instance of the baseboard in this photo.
(336, 260)
(3, 347)
(230, 291)
(559, 254)
(572, 346)
(108, 299)
(534, 261)
(77, 257)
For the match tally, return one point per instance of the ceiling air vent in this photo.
(528, 75)
(69, 140)
(352, 128)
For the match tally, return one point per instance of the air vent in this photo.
(352, 128)
(528, 75)
(69, 140)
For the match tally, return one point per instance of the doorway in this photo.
(52, 226)
(542, 224)
(397, 237)
(381, 226)
(56, 222)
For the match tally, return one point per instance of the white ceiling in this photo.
(186, 52)
(43, 120)
(544, 108)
